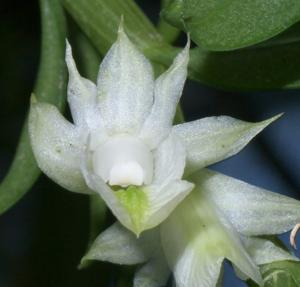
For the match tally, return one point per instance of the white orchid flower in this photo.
(122, 144)
(221, 219)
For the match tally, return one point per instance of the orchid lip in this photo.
(123, 161)
(127, 173)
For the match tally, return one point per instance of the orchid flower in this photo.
(122, 144)
(222, 218)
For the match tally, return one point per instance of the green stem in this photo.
(49, 87)
(169, 32)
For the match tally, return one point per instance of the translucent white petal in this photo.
(251, 210)
(168, 89)
(81, 96)
(125, 87)
(169, 159)
(120, 246)
(154, 273)
(97, 184)
(163, 200)
(196, 238)
(264, 251)
(57, 147)
(213, 139)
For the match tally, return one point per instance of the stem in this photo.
(169, 32)
(49, 87)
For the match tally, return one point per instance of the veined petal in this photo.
(120, 246)
(163, 200)
(168, 90)
(57, 147)
(196, 242)
(264, 251)
(169, 160)
(213, 139)
(125, 87)
(250, 209)
(81, 95)
(154, 273)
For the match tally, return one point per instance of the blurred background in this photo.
(43, 237)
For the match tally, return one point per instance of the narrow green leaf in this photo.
(50, 87)
(231, 24)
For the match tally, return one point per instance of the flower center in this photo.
(123, 161)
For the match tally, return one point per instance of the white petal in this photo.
(154, 273)
(163, 200)
(97, 184)
(57, 147)
(168, 89)
(213, 139)
(251, 210)
(169, 159)
(137, 208)
(120, 246)
(81, 96)
(264, 251)
(196, 242)
(125, 87)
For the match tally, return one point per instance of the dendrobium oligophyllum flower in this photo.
(222, 218)
(123, 146)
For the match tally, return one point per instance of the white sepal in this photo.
(125, 87)
(250, 209)
(264, 251)
(213, 139)
(57, 147)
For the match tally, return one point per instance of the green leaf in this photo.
(280, 274)
(50, 87)
(100, 19)
(245, 70)
(289, 36)
(257, 69)
(231, 24)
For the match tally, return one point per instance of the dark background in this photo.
(43, 237)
